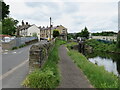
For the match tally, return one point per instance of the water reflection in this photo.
(110, 61)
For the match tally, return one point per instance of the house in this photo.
(108, 38)
(28, 30)
(45, 32)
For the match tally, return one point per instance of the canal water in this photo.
(110, 61)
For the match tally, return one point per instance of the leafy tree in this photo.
(34, 34)
(118, 40)
(85, 33)
(4, 10)
(9, 26)
(55, 33)
(71, 35)
(78, 34)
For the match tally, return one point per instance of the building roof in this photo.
(24, 27)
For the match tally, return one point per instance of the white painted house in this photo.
(28, 30)
(33, 29)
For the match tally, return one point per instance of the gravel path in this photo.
(72, 77)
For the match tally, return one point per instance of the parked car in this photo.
(7, 39)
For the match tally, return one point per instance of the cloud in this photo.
(73, 15)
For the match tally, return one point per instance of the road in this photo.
(15, 67)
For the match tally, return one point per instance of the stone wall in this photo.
(8, 45)
(38, 54)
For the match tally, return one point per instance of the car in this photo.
(7, 39)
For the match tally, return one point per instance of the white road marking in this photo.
(14, 52)
(12, 70)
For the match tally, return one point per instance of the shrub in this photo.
(101, 46)
(22, 45)
(40, 79)
(14, 48)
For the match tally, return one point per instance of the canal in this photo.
(110, 61)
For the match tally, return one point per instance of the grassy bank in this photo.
(97, 75)
(100, 46)
(48, 76)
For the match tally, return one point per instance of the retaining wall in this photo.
(38, 54)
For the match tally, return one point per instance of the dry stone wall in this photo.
(38, 54)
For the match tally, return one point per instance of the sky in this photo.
(74, 15)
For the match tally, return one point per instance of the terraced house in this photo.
(42, 32)
(45, 32)
(28, 30)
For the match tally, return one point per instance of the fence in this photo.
(22, 40)
(16, 42)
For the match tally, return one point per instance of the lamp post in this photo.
(50, 28)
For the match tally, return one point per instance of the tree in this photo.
(55, 33)
(78, 34)
(85, 33)
(4, 10)
(9, 26)
(118, 40)
(70, 36)
(34, 34)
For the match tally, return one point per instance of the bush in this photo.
(40, 79)
(100, 46)
(14, 48)
(22, 45)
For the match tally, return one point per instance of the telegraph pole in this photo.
(50, 28)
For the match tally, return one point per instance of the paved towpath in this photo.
(72, 77)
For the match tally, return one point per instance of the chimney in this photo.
(26, 23)
(22, 23)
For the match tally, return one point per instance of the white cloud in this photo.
(73, 15)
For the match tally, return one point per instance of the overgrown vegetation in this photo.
(14, 48)
(100, 46)
(23, 45)
(48, 76)
(97, 75)
(118, 40)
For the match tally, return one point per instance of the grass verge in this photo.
(48, 76)
(97, 75)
